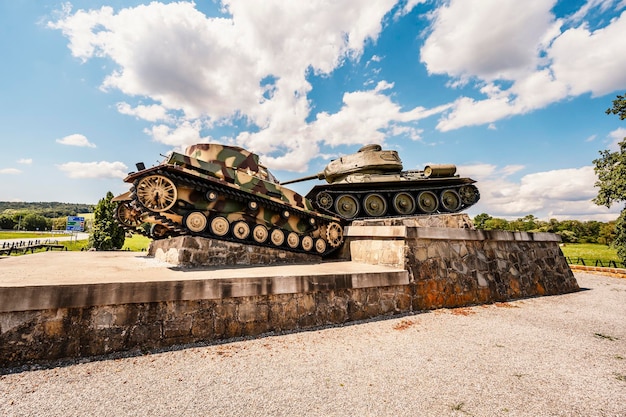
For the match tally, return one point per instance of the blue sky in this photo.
(512, 92)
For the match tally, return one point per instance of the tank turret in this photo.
(371, 183)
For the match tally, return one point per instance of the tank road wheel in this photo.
(450, 200)
(293, 240)
(320, 246)
(375, 205)
(324, 200)
(307, 243)
(334, 234)
(196, 221)
(157, 193)
(469, 194)
(219, 226)
(260, 233)
(404, 203)
(427, 201)
(126, 215)
(277, 237)
(241, 230)
(347, 206)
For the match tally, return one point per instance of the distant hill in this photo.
(46, 209)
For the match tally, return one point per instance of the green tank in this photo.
(223, 192)
(372, 184)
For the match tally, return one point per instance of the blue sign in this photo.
(75, 224)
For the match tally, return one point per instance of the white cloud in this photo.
(616, 137)
(10, 171)
(25, 161)
(102, 169)
(188, 133)
(526, 49)
(152, 113)
(76, 140)
(561, 194)
(250, 65)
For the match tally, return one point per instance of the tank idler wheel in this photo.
(156, 193)
(375, 205)
(450, 200)
(241, 230)
(469, 194)
(260, 233)
(320, 246)
(285, 214)
(127, 215)
(196, 221)
(211, 196)
(427, 202)
(158, 231)
(293, 240)
(404, 203)
(219, 226)
(307, 243)
(277, 237)
(324, 200)
(253, 206)
(334, 234)
(347, 206)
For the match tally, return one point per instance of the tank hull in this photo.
(391, 195)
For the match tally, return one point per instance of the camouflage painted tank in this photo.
(372, 184)
(222, 192)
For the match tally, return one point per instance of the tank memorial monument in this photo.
(235, 253)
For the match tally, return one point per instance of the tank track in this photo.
(177, 229)
(390, 211)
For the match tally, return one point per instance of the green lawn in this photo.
(137, 243)
(590, 253)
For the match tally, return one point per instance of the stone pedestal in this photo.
(460, 266)
(188, 251)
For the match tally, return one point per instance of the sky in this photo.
(512, 92)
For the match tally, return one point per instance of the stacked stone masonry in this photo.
(428, 267)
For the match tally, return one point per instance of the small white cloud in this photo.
(616, 137)
(591, 138)
(76, 140)
(492, 126)
(102, 169)
(152, 113)
(10, 171)
(25, 161)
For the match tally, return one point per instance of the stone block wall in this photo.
(46, 335)
(188, 251)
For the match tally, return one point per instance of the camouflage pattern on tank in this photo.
(372, 184)
(223, 192)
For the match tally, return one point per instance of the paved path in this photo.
(76, 236)
(548, 356)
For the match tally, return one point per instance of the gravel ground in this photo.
(550, 356)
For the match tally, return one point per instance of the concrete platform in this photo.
(82, 279)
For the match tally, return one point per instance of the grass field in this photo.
(136, 243)
(590, 253)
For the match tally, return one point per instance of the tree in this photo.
(106, 235)
(611, 171)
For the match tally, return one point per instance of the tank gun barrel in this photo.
(318, 176)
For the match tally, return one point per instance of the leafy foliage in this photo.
(571, 231)
(611, 171)
(619, 107)
(106, 235)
